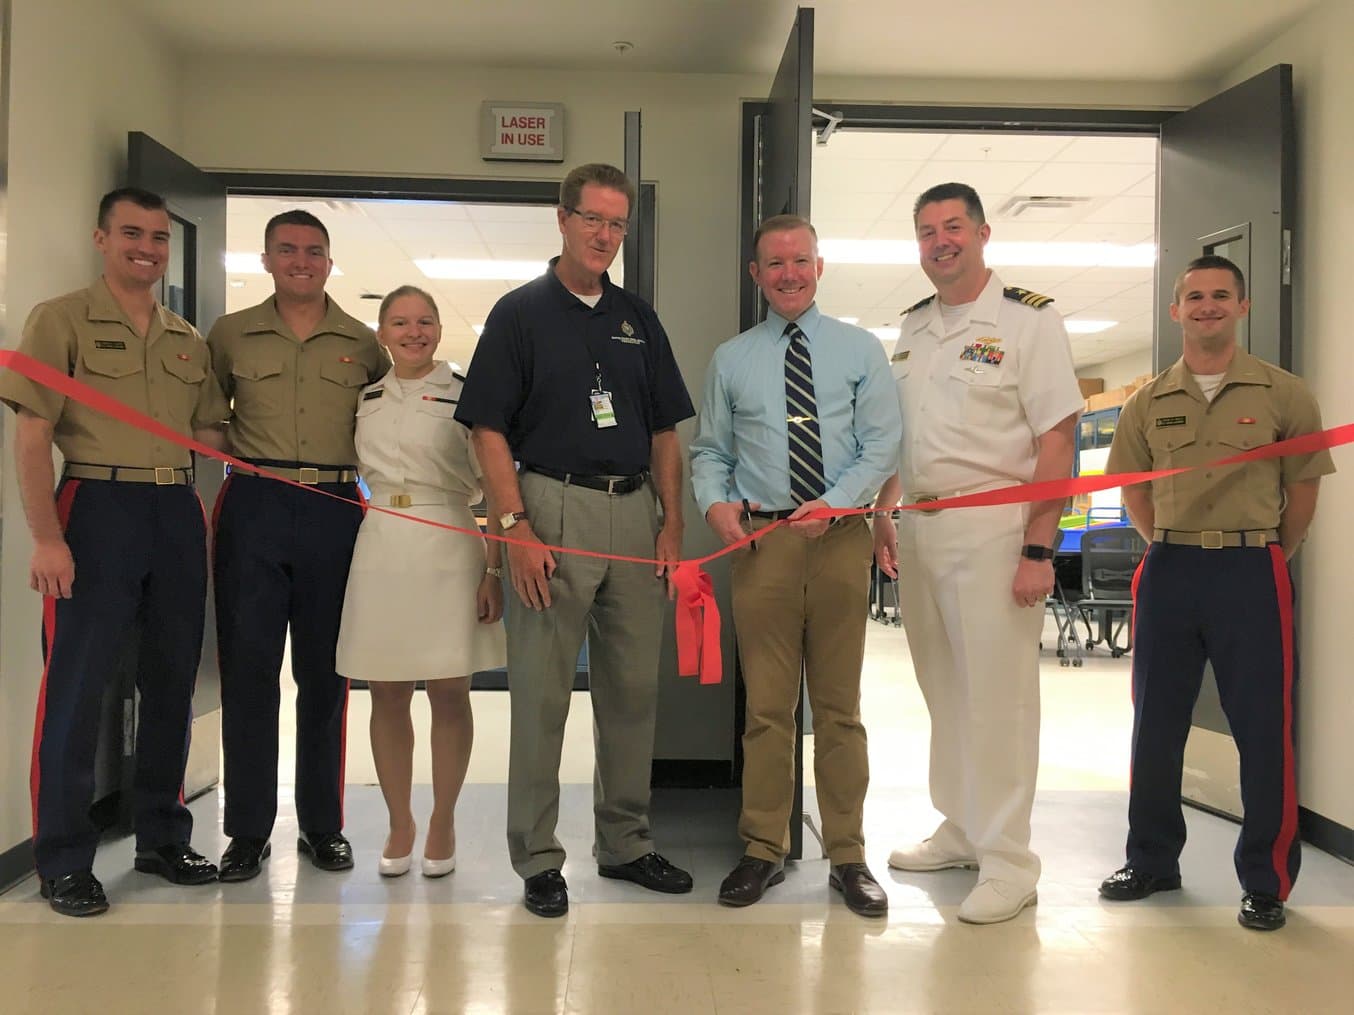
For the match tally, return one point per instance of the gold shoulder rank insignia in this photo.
(460, 377)
(918, 305)
(1025, 296)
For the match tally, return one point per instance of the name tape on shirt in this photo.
(1171, 421)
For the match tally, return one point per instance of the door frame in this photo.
(477, 191)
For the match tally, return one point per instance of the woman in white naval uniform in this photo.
(421, 603)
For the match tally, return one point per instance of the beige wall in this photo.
(1323, 84)
(82, 75)
(1121, 369)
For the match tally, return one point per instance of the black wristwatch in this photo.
(1030, 551)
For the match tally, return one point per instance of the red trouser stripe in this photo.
(1288, 827)
(63, 513)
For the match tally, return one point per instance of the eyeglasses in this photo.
(592, 223)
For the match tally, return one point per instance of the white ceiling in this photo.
(374, 245)
(1138, 40)
(864, 185)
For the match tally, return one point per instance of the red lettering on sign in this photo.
(522, 122)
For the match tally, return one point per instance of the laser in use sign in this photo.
(522, 131)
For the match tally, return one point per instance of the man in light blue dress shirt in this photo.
(799, 413)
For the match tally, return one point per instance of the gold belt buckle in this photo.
(308, 476)
(164, 476)
(401, 500)
(926, 499)
(1211, 540)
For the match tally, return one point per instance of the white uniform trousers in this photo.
(976, 653)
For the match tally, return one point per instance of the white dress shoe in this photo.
(439, 868)
(926, 856)
(394, 866)
(995, 901)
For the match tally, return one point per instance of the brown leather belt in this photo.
(159, 475)
(1215, 539)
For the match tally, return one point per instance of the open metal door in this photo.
(782, 161)
(1227, 185)
(194, 286)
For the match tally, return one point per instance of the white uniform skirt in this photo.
(409, 612)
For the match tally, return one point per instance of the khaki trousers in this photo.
(619, 605)
(800, 606)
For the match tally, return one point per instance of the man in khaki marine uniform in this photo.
(294, 366)
(1215, 586)
(123, 533)
(989, 399)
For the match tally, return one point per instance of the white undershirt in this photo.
(955, 318)
(1209, 384)
(591, 299)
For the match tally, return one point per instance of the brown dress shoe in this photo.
(859, 889)
(748, 881)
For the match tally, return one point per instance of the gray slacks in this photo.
(619, 606)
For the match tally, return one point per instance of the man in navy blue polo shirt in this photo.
(575, 380)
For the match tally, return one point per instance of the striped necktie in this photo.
(801, 420)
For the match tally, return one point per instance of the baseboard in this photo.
(1327, 835)
(691, 773)
(16, 864)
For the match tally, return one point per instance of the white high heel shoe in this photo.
(394, 866)
(438, 868)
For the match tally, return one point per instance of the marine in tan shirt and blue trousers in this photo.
(1215, 586)
(294, 366)
(123, 534)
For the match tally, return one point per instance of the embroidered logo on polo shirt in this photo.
(627, 339)
(627, 329)
(109, 345)
(1171, 420)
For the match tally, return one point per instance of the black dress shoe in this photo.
(859, 889)
(243, 859)
(1128, 884)
(650, 871)
(177, 862)
(75, 894)
(749, 880)
(1261, 912)
(546, 894)
(330, 852)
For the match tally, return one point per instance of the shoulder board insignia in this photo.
(367, 396)
(918, 305)
(1025, 296)
(459, 377)
(436, 398)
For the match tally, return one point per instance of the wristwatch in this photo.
(507, 521)
(494, 572)
(1032, 551)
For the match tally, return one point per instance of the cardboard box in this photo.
(1090, 386)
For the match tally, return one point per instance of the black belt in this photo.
(614, 485)
(774, 516)
(302, 472)
(160, 475)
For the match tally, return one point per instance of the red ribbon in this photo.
(697, 619)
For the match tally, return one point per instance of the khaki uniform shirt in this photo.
(166, 375)
(294, 401)
(1168, 423)
(977, 396)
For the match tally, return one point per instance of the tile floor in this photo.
(298, 940)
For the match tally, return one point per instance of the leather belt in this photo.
(774, 516)
(616, 486)
(1215, 539)
(159, 475)
(307, 475)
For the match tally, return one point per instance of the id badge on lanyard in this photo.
(599, 400)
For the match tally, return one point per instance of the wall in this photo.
(1121, 370)
(1323, 84)
(69, 118)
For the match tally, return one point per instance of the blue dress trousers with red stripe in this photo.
(140, 553)
(281, 560)
(1234, 608)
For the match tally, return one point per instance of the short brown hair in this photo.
(141, 198)
(295, 217)
(407, 290)
(602, 174)
(780, 224)
(973, 204)
(1206, 262)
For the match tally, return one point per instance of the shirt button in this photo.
(300, 411)
(1208, 444)
(1208, 475)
